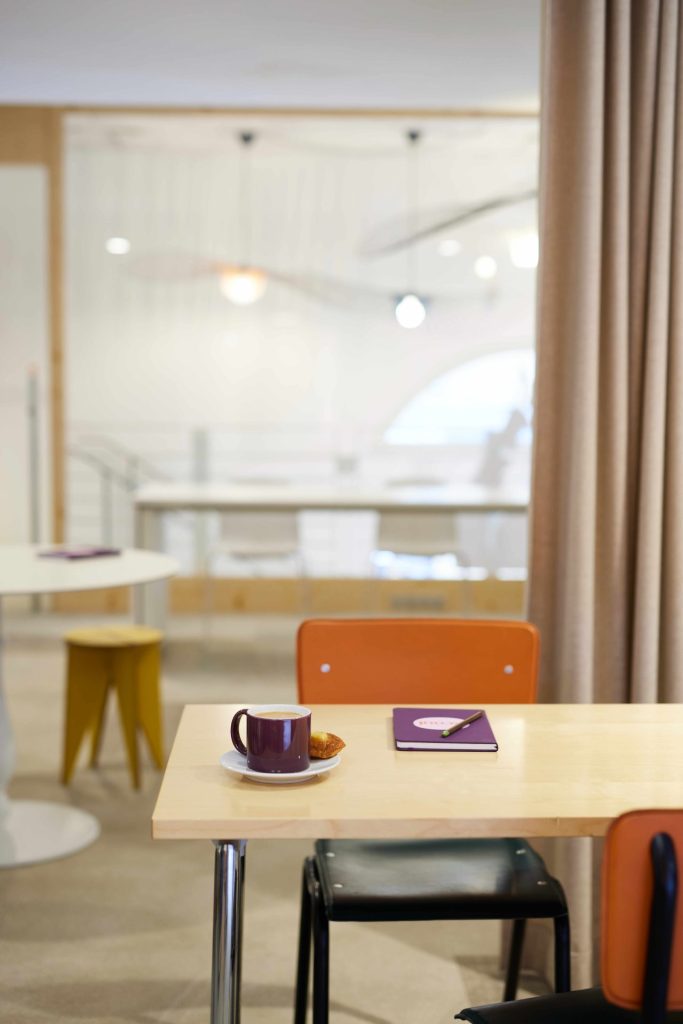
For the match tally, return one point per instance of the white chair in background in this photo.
(258, 536)
(257, 539)
(425, 535)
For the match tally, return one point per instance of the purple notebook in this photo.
(79, 551)
(421, 728)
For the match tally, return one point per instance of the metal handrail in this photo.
(140, 462)
(109, 475)
(102, 466)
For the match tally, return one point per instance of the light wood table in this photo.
(561, 770)
(35, 830)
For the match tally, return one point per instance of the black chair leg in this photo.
(514, 960)
(304, 954)
(562, 954)
(321, 961)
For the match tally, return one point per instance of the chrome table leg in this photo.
(228, 912)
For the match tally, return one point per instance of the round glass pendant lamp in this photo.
(410, 311)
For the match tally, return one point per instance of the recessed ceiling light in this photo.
(449, 247)
(523, 249)
(117, 246)
(485, 267)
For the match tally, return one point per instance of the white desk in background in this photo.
(34, 830)
(154, 500)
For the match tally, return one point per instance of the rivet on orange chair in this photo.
(641, 964)
(421, 661)
(121, 658)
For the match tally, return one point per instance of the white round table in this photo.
(31, 830)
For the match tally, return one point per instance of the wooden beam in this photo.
(56, 323)
(33, 135)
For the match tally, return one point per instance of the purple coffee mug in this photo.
(277, 737)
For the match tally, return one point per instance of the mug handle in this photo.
(235, 732)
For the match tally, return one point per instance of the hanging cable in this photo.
(245, 283)
(412, 210)
(410, 310)
(246, 138)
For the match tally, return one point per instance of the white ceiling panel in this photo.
(302, 53)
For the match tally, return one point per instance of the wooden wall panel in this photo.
(319, 596)
(33, 135)
(25, 135)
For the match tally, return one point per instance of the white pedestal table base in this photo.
(32, 831)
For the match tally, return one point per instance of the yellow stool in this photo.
(124, 658)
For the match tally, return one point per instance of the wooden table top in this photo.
(561, 770)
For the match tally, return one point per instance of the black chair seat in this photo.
(450, 879)
(587, 1006)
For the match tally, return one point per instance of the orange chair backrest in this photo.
(401, 661)
(626, 901)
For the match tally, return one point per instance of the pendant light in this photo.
(244, 284)
(410, 309)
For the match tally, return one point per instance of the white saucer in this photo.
(236, 763)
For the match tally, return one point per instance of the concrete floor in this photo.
(121, 932)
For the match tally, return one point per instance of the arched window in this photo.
(486, 396)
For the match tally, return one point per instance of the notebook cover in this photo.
(427, 735)
(80, 551)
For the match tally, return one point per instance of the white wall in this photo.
(292, 384)
(23, 342)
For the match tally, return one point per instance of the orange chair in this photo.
(421, 661)
(642, 935)
(384, 661)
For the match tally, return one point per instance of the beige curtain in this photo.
(606, 576)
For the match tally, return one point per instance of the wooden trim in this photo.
(348, 112)
(56, 323)
(319, 596)
(114, 601)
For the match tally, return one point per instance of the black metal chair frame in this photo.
(315, 924)
(661, 931)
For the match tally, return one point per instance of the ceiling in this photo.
(391, 54)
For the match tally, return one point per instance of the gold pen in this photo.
(461, 725)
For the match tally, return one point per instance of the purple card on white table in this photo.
(79, 551)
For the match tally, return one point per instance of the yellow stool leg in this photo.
(125, 681)
(86, 688)
(149, 701)
(98, 728)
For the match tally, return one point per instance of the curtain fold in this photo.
(606, 551)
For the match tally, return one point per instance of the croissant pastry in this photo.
(325, 744)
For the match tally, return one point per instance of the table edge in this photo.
(363, 828)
